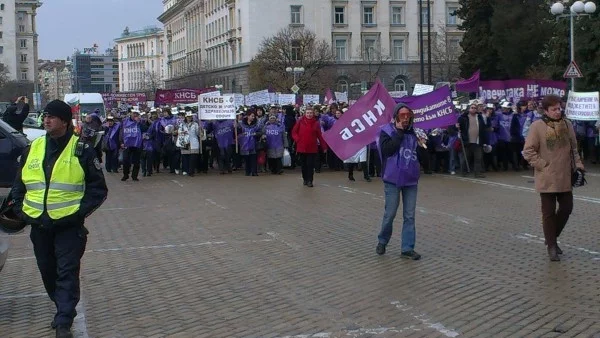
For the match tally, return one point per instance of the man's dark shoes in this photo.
(380, 249)
(553, 254)
(125, 178)
(558, 250)
(63, 331)
(351, 178)
(412, 254)
(309, 184)
(305, 183)
(368, 179)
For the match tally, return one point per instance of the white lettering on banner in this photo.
(185, 95)
(216, 107)
(369, 118)
(583, 106)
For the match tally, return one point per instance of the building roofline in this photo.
(169, 13)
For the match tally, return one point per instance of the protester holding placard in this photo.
(307, 135)
(188, 141)
(551, 148)
(397, 145)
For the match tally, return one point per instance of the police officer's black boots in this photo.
(63, 331)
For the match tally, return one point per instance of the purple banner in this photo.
(470, 85)
(133, 99)
(515, 90)
(432, 110)
(178, 96)
(361, 124)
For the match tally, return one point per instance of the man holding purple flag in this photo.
(397, 144)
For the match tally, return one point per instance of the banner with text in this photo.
(310, 98)
(132, 99)
(285, 99)
(515, 90)
(259, 98)
(216, 107)
(432, 110)
(171, 97)
(583, 106)
(341, 96)
(361, 124)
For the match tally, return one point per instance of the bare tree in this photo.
(152, 81)
(292, 47)
(373, 59)
(445, 52)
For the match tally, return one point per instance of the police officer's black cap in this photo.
(59, 109)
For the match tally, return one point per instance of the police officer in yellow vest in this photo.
(59, 185)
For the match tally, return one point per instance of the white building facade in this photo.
(141, 58)
(19, 38)
(226, 34)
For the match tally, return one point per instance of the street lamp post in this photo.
(219, 87)
(577, 9)
(296, 71)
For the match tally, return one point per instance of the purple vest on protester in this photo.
(223, 131)
(132, 134)
(113, 136)
(492, 136)
(274, 133)
(504, 121)
(247, 138)
(401, 169)
(147, 142)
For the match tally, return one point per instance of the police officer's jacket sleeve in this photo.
(390, 145)
(95, 186)
(18, 189)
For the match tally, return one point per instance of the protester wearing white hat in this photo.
(188, 140)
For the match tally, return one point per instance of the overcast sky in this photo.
(63, 25)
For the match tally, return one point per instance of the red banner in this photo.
(132, 98)
(167, 97)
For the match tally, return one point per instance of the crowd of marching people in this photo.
(265, 139)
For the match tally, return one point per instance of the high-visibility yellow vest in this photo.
(61, 196)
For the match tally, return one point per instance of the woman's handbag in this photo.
(577, 175)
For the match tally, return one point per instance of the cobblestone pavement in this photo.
(236, 256)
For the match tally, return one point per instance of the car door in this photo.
(12, 144)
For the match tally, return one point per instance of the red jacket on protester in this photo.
(306, 132)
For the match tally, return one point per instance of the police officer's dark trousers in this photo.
(58, 252)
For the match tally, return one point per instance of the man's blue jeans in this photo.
(409, 205)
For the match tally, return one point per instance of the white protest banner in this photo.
(216, 107)
(287, 99)
(583, 106)
(258, 98)
(238, 99)
(341, 97)
(211, 94)
(398, 93)
(421, 89)
(273, 98)
(310, 98)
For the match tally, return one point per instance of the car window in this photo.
(7, 128)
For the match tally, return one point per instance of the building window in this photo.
(451, 15)
(21, 16)
(369, 48)
(396, 15)
(339, 15)
(1, 35)
(342, 86)
(296, 51)
(341, 49)
(368, 15)
(296, 15)
(23, 43)
(23, 75)
(1, 49)
(399, 85)
(1, 7)
(21, 28)
(453, 46)
(398, 49)
(0, 20)
(424, 16)
(23, 57)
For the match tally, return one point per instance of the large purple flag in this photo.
(329, 97)
(470, 85)
(432, 110)
(361, 124)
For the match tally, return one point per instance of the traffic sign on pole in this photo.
(295, 89)
(572, 71)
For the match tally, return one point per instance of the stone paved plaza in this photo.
(236, 256)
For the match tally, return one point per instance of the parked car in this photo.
(4, 244)
(12, 143)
